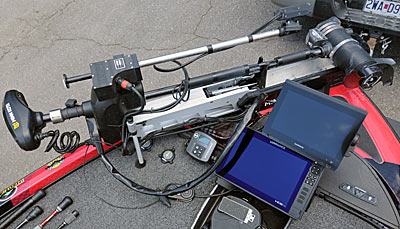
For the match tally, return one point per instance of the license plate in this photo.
(383, 7)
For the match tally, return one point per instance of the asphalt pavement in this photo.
(41, 40)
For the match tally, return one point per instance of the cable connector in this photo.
(125, 84)
(71, 218)
(31, 216)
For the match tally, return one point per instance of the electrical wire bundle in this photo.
(177, 93)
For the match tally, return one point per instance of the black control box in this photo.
(104, 72)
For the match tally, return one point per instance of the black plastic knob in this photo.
(355, 140)
(65, 81)
(34, 213)
(65, 203)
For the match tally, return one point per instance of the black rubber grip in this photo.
(294, 57)
(38, 195)
(65, 203)
(219, 76)
(34, 213)
(77, 111)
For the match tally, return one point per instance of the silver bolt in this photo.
(106, 68)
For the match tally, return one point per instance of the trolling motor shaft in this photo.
(290, 27)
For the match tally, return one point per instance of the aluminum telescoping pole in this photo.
(208, 49)
(211, 48)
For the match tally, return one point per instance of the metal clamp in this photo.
(338, 46)
(55, 116)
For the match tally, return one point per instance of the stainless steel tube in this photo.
(210, 48)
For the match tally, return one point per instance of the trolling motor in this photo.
(119, 108)
(110, 100)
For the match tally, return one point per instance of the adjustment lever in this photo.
(140, 163)
(74, 79)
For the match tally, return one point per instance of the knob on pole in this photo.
(74, 79)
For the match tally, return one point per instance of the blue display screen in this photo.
(265, 169)
(203, 139)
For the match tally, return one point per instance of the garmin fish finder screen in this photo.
(313, 124)
(265, 169)
(326, 136)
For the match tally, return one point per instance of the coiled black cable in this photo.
(68, 142)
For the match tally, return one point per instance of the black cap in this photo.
(38, 195)
(75, 213)
(65, 203)
(34, 213)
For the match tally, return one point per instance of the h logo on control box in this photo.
(119, 63)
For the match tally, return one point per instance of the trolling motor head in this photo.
(108, 104)
(23, 123)
(26, 125)
(346, 52)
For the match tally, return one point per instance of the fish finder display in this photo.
(265, 169)
(313, 124)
